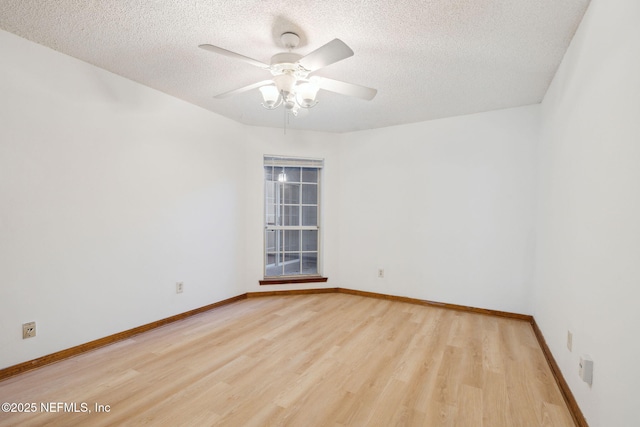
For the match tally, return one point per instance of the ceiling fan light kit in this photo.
(291, 84)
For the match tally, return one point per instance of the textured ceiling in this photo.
(428, 59)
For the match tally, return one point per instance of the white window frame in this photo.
(295, 162)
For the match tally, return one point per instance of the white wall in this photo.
(444, 207)
(587, 277)
(110, 192)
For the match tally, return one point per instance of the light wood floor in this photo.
(306, 360)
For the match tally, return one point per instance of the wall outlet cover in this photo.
(28, 330)
(585, 369)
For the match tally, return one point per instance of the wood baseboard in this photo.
(569, 399)
(486, 311)
(101, 342)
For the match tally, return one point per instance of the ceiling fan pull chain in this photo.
(284, 120)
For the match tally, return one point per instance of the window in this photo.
(292, 217)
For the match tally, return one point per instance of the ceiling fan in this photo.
(292, 84)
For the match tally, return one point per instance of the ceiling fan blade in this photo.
(244, 89)
(345, 88)
(228, 53)
(334, 51)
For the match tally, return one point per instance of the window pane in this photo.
(292, 240)
(270, 200)
(310, 263)
(271, 258)
(309, 175)
(293, 174)
(273, 263)
(309, 240)
(309, 194)
(309, 215)
(268, 174)
(291, 194)
(270, 240)
(291, 215)
(274, 270)
(292, 264)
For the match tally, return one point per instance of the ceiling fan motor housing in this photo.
(290, 40)
(287, 62)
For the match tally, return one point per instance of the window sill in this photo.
(291, 280)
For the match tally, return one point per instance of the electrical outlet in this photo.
(570, 340)
(381, 273)
(28, 330)
(179, 287)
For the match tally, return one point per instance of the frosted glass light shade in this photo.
(285, 82)
(306, 94)
(270, 96)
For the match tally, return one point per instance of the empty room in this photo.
(338, 213)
